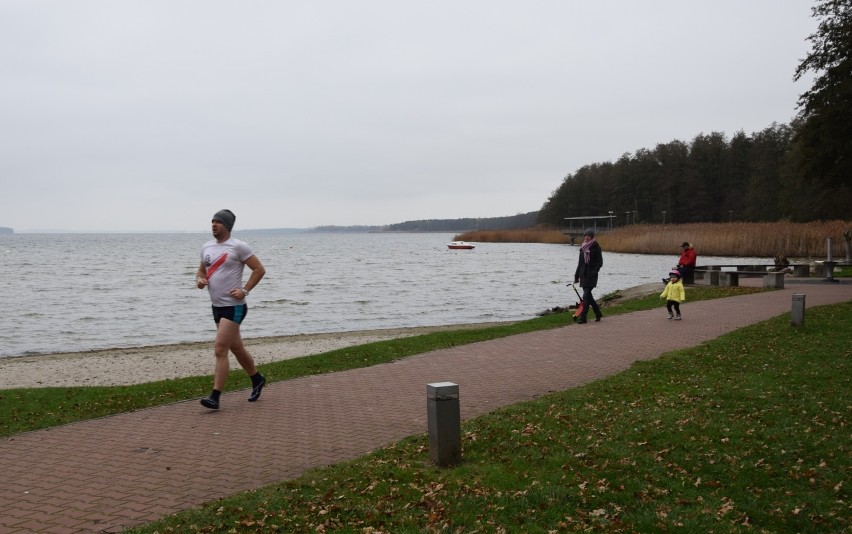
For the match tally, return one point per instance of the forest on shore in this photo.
(801, 171)
(709, 179)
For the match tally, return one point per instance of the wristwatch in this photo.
(245, 292)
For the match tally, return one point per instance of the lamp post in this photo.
(664, 216)
(610, 219)
(627, 217)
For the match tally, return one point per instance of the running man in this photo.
(221, 272)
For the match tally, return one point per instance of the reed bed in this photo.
(793, 240)
(736, 239)
(528, 235)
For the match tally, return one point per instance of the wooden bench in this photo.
(732, 278)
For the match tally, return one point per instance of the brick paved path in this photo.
(116, 472)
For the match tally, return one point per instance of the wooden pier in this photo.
(576, 226)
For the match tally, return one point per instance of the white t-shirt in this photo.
(225, 262)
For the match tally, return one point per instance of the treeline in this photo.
(522, 220)
(511, 222)
(748, 178)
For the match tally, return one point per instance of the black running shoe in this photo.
(256, 389)
(209, 402)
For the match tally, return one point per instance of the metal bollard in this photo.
(797, 314)
(829, 262)
(444, 414)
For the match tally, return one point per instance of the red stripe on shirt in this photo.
(216, 264)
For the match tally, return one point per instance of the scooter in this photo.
(580, 303)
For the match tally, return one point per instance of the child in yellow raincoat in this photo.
(674, 293)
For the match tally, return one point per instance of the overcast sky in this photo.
(152, 115)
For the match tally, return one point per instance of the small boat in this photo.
(460, 245)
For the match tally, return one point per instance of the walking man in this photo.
(221, 272)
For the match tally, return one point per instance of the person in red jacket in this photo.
(686, 263)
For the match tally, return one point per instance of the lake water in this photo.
(72, 292)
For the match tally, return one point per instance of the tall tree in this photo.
(671, 162)
(823, 144)
(769, 149)
(737, 178)
(703, 183)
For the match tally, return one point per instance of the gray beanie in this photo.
(589, 232)
(225, 217)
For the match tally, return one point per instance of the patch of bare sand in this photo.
(115, 367)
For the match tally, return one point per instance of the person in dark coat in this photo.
(590, 262)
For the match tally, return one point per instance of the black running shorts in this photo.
(231, 313)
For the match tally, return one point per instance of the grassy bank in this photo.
(747, 433)
(794, 240)
(28, 409)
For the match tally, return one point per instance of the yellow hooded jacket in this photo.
(674, 291)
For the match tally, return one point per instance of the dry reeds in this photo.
(529, 235)
(793, 240)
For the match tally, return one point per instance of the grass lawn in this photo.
(748, 433)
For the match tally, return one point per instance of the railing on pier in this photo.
(576, 226)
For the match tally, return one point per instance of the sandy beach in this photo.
(114, 367)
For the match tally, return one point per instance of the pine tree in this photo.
(819, 184)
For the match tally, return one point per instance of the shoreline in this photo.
(137, 365)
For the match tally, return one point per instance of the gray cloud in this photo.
(311, 113)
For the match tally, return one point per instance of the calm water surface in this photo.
(71, 292)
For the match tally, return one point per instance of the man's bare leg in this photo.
(228, 339)
(227, 333)
(243, 356)
(247, 362)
